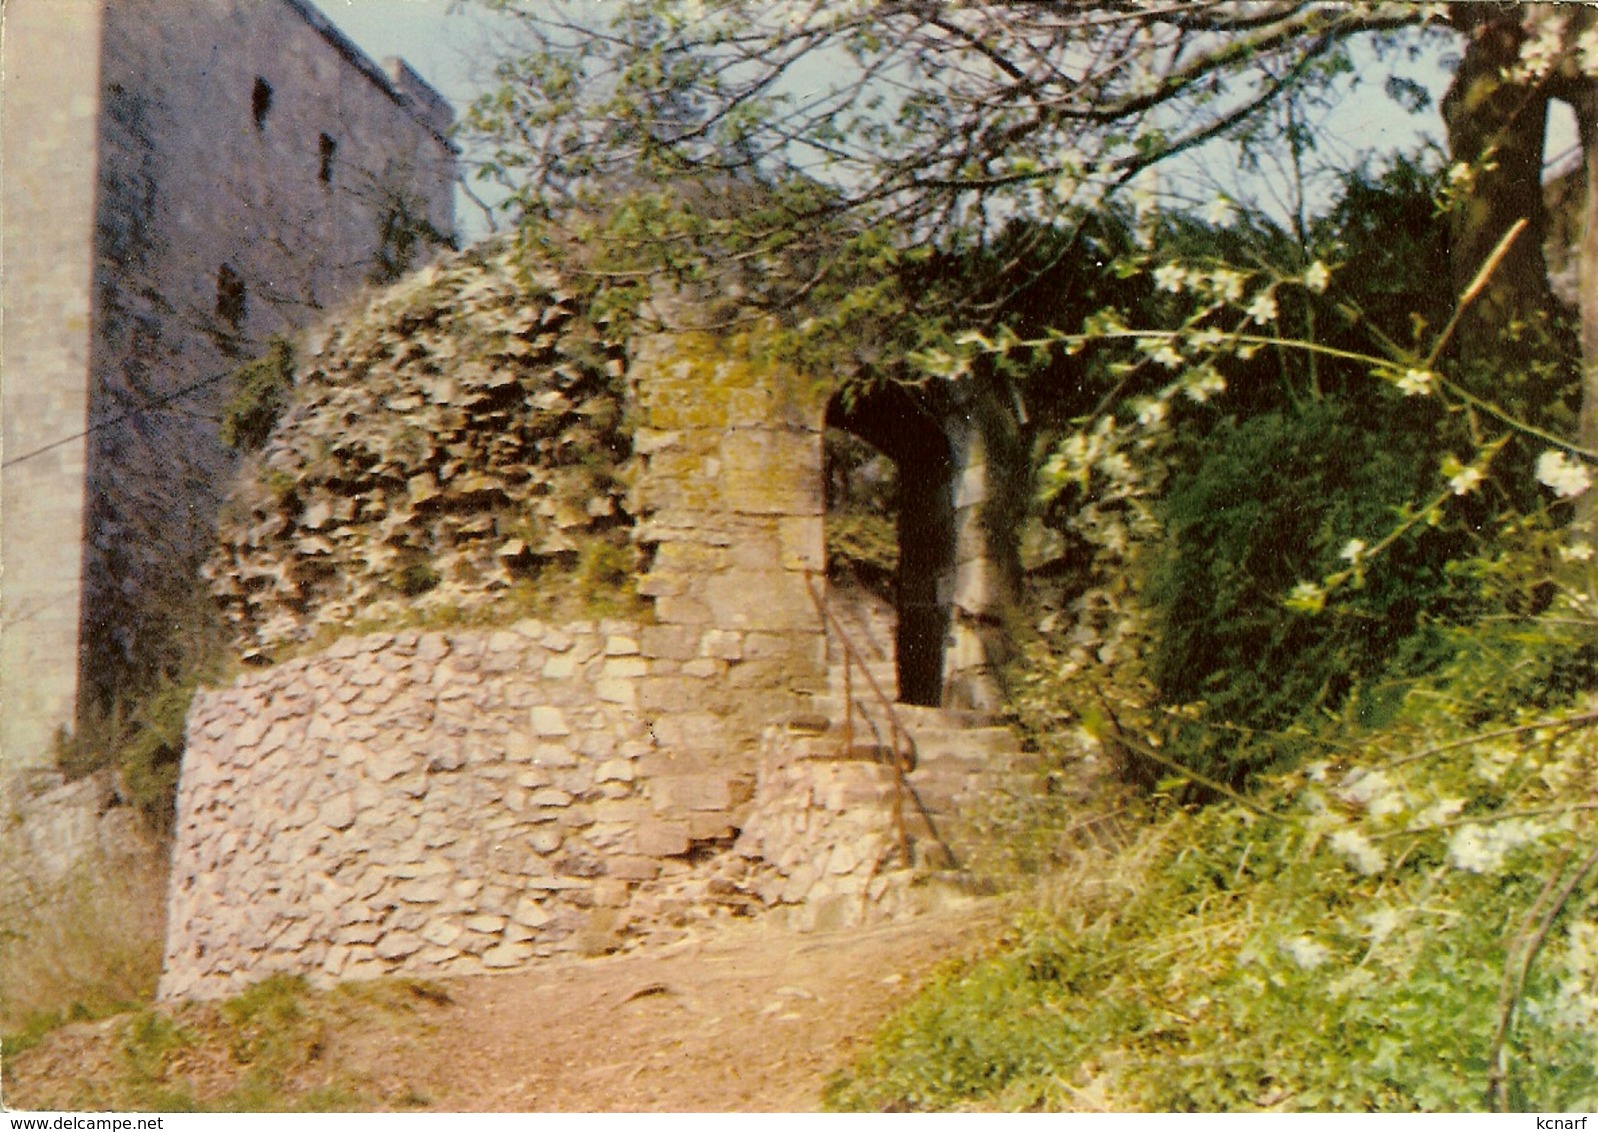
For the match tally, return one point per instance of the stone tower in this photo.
(183, 179)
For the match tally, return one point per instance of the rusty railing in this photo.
(900, 742)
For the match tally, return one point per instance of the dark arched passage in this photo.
(891, 420)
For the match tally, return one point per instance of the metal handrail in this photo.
(904, 757)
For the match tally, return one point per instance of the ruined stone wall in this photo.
(251, 157)
(210, 172)
(443, 802)
(447, 803)
(456, 801)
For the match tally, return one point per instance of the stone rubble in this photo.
(461, 432)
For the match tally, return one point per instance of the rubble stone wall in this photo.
(728, 494)
(449, 803)
(440, 802)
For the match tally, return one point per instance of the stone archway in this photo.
(894, 423)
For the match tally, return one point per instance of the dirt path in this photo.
(740, 1016)
(748, 1018)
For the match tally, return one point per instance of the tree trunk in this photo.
(1496, 128)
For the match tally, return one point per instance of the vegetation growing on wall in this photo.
(456, 446)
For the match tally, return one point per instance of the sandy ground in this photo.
(740, 1016)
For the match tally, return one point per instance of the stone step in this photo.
(975, 745)
(914, 718)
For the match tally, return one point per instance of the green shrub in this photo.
(1300, 952)
(260, 394)
(1275, 499)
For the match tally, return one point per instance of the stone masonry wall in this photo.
(441, 802)
(50, 57)
(728, 494)
(250, 157)
(148, 146)
(449, 803)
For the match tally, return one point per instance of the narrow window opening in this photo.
(327, 148)
(230, 298)
(261, 102)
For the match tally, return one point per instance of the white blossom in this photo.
(1150, 412)
(1204, 384)
(1482, 848)
(1579, 551)
(1542, 47)
(1170, 277)
(1354, 845)
(1415, 382)
(1208, 338)
(1353, 550)
(1220, 213)
(1439, 812)
(1382, 922)
(1228, 284)
(1306, 952)
(1307, 596)
(1373, 791)
(1167, 356)
(1465, 481)
(1263, 309)
(1567, 478)
(1587, 51)
(1317, 277)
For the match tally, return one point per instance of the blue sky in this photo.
(449, 43)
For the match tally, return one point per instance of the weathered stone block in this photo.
(548, 722)
(615, 770)
(774, 600)
(612, 691)
(668, 642)
(530, 913)
(507, 955)
(709, 826)
(661, 839)
(441, 933)
(676, 793)
(771, 472)
(629, 867)
(338, 813)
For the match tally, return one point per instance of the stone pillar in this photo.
(728, 488)
(48, 146)
(980, 585)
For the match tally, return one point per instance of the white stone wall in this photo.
(49, 56)
(135, 169)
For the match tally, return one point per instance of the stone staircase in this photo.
(957, 759)
(834, 837)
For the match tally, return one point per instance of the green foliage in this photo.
(82, 948)
(144, 746)
(404, 233)
(1312, 556)
(416, 579)
(1273, 499)
(1300, 960)
(261, 391)
(605, 578)
(861, 495)
(270, 1049)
